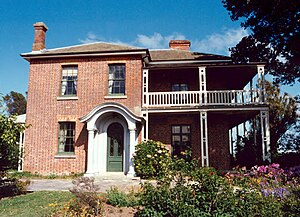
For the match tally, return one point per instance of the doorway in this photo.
(115, 147)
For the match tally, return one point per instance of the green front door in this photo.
(115, 134)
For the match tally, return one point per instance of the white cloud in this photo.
(219, 43)
(90, 38)
(157, 40)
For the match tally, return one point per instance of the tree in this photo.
(274, 38)
(9, 137)
(283, 115)
(15, 103)
(283, 129)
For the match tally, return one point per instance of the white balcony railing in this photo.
(197, 98)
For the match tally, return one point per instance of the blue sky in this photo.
(148, 24)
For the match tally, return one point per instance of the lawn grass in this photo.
(42, 203)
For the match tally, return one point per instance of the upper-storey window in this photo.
(69, 81)
(180, 87)
(116, 79)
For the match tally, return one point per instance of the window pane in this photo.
(120, 149)
(66, 137)
(175, 129)
(176, 139)
(69, 80)
(175, 87)
(185, 138)
(111, 149)
(184, 87)
(116, 79)
(181, 135)
(185, 129)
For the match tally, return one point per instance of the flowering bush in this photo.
(87, 202)
(281, 188)
(186, 189)
(151, 159)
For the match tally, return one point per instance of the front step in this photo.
(115, 176)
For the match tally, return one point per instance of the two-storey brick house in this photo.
(89, 105)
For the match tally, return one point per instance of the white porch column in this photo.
(145, 130)
(261, 82)
(265, 134)
(90, 156)
(204, 138)
(202, 85)
(132, 144)
(145, 88)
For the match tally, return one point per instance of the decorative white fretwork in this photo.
(145, 87)
(261, 82)
(202, 85)
(204, 138)
(145, 130)
(265, 133)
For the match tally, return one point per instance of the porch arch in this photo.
(98, 120)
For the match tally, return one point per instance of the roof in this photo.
(173, 54)
(92, 48)
(104, 48)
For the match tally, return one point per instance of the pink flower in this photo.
(262, 169)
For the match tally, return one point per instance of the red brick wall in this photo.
(218, 139)
(44, 110)
(160, 128)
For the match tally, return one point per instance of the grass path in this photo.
(34, 204)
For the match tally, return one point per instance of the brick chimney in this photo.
(40, 30)
(180, 44)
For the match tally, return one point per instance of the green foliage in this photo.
(11, 187)
(283, 113)
(282, 118)
(15, 103)
(274, 36)
(151, 159)
(120, 199)
(9, 138)
(188, 190)
(291, 206)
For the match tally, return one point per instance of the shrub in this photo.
(188, 190)
(12, 186)
(120, 199)
(151, 159)
(88, 202)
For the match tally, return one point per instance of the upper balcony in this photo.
(203, 87)
(206, 98)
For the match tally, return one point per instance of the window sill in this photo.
(65, 156)
(116, 97)
(60, 98)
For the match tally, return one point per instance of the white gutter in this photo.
(44, 55)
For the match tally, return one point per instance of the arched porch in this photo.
(108, 150)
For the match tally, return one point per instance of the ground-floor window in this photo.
(181, 139)
(66, 137)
